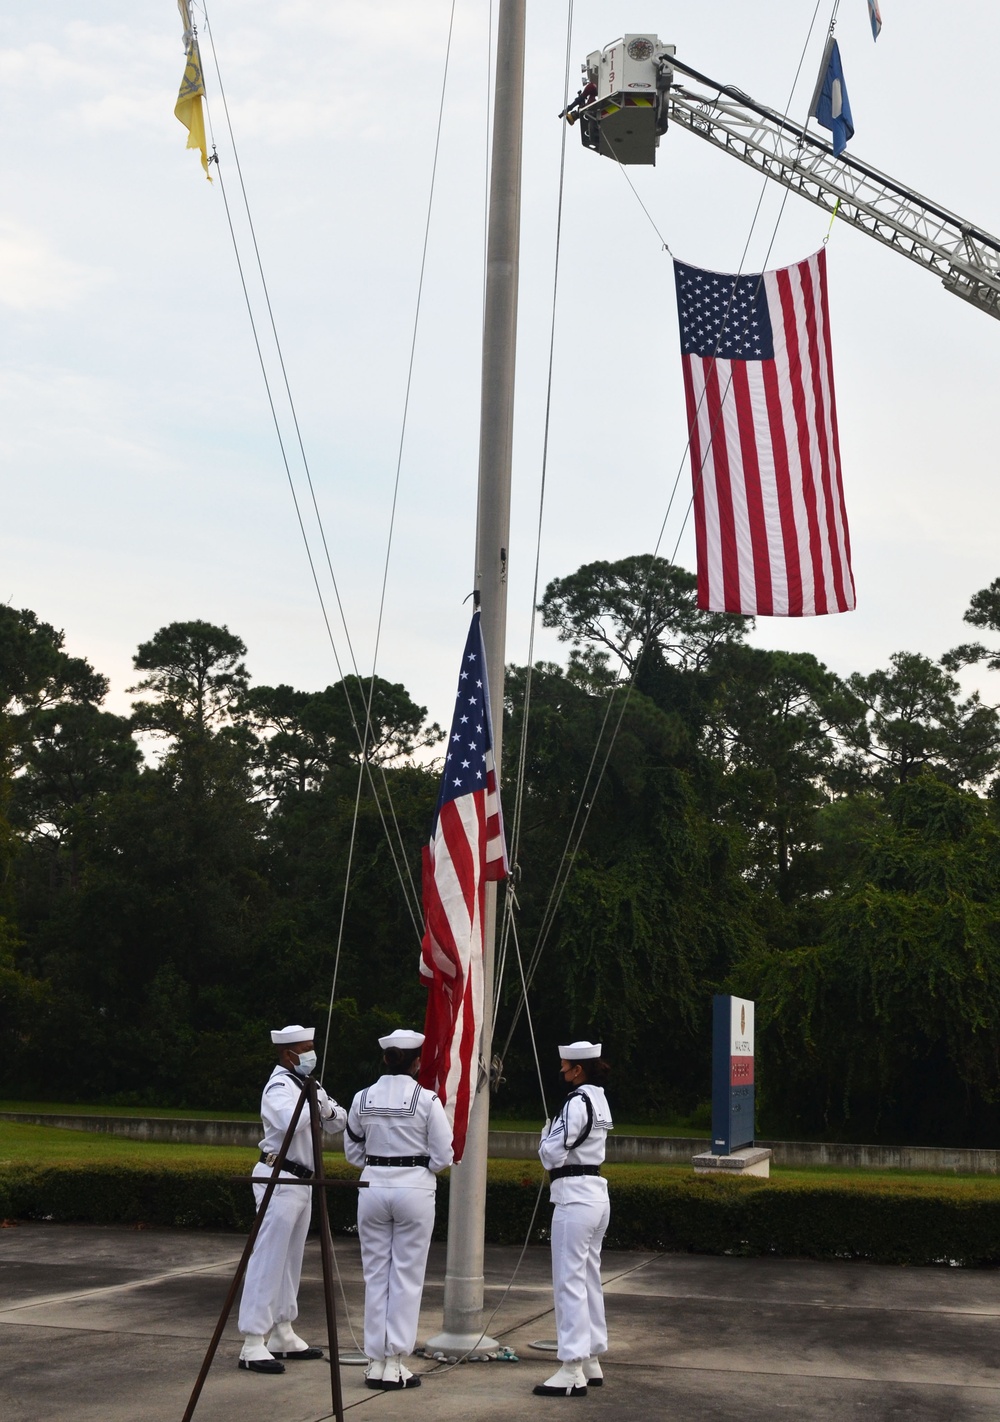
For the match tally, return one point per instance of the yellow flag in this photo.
(189, 107)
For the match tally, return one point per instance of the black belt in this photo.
(292, 1166)
(562, 1170)
(397, 1160)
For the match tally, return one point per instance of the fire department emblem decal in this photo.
(640, 49)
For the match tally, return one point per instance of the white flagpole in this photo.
(463, 1286)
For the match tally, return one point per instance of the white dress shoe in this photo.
(255, 1358)
(593, 1372)
(395, 1376)
(569, 1381)
(284, 1342)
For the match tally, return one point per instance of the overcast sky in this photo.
(142, 480)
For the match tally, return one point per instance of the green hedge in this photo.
(887, 1224)
(905, 1222)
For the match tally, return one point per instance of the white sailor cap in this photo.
(404, 1040)
(580, 1051)
(286, 1035)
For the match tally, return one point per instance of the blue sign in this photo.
(732, 1074)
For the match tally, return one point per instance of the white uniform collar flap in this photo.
(395, 1095)
(599, 1102)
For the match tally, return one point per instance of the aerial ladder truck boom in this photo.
(631, 96)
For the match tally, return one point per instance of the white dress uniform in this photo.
(271, 1286)
(398, 1131)
(572, 1151)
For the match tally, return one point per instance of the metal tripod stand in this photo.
(319, 1183)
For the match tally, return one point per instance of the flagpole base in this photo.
(460, 1343)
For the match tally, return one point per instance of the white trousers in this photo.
(271, 1285)
(577, 1234)
(394, 1226)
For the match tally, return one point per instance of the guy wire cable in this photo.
(305, 538)
(392, 524)
(413, 350)
(363, 747)
(509, 901)
(538, 1199)
(571, 849)
(554, 904)
(746, 248)
(406, 883)
(767, 257)
(365, 765)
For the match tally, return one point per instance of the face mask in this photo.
(307, 1061)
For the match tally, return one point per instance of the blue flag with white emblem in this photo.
(830, 106)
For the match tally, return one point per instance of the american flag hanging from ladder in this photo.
(466, 851)
(770, 521)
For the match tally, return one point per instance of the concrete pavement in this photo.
(110, 1325)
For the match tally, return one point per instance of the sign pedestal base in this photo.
(752, 1160)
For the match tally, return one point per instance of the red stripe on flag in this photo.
(468, 1051)
(782, 479)
(832, 397)
(694, 443)
(718, 455)
(757, 529)
(462, 854)
(834, 582)
(794, 398)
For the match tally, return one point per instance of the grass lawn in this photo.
(49, 1145)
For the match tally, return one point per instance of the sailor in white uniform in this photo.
(398, 1131)
(572, 1151)
(270, 1290)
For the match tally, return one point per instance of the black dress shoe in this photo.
(302, 1354)
(261, 1365)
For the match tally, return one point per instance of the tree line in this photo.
(714, 816)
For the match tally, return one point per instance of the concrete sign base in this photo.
(752, 1160)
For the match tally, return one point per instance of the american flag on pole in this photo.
(466, 851)
(770, 521)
